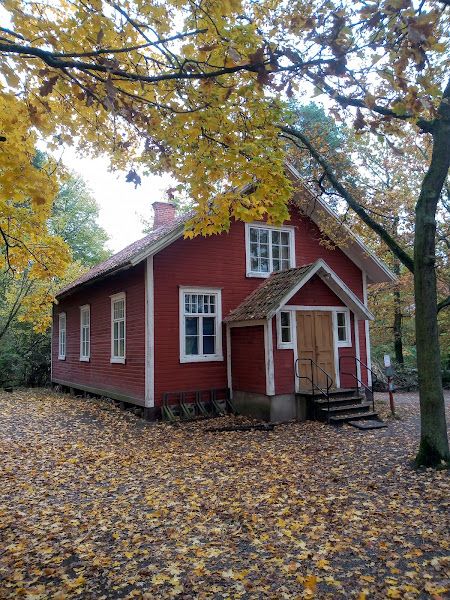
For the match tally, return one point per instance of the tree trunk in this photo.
(433, 441)
(398, 318)
(398, 328)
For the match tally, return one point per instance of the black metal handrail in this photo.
(359, 381)
(314, 385)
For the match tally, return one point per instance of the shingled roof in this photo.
(279, 287)
(123, 259)
(265, 300)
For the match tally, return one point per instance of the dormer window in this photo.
(268, 249)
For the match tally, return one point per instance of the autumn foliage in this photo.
(96, 503)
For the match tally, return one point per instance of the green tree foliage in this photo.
(25, 352)
(74, 218)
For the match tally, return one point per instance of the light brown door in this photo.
(315, 341)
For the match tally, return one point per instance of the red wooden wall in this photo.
(128, 378)
(248, 359)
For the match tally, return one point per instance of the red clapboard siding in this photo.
(315, 293)
(128, 378)
(283, 361)
(248, 359)
(218, 262)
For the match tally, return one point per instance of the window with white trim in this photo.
(200, 325)
(62, 335)
(85, 332)
(269, 249)
(284, 329)
(118, 328)
(343, 328)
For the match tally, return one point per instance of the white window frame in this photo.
(348, 342)
(62, 317)
(116, 298)
(286, 228)
(280, 344)
(189, 358)
(85, 309)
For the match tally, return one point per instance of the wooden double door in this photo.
(315, 341)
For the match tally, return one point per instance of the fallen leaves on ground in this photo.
(96, 503)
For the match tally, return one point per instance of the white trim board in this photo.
(149, 334)
(357, 348)
(268, 356)
(229, 368)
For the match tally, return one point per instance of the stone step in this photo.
(333, 392)
(364, 406)
(338, 401)
(338, 419)
(365, 425)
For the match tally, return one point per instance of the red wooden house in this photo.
(248, 310)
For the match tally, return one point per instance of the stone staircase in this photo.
(343, 406)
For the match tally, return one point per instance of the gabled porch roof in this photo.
(278, 289)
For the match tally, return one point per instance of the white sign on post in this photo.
(387, 360)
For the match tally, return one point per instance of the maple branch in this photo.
(101, 51)
(9, 32)
(52, 60)
(344, 101)
(403, 256)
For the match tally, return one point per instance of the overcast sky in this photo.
(121, 205)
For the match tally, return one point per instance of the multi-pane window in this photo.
(85, 332)
(62, 336)
(269, 249)
(200, 325)
(285, 327)
(343, 329)
(118, 328)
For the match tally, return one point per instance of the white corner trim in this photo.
(262, 225)
(195, 358)
(229, 369)
(268, 355)
(367, 331)
(149, 334)
(337, 372)
(357, 348)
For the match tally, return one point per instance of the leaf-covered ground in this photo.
(96, 503)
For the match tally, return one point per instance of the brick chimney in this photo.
(165, 213)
